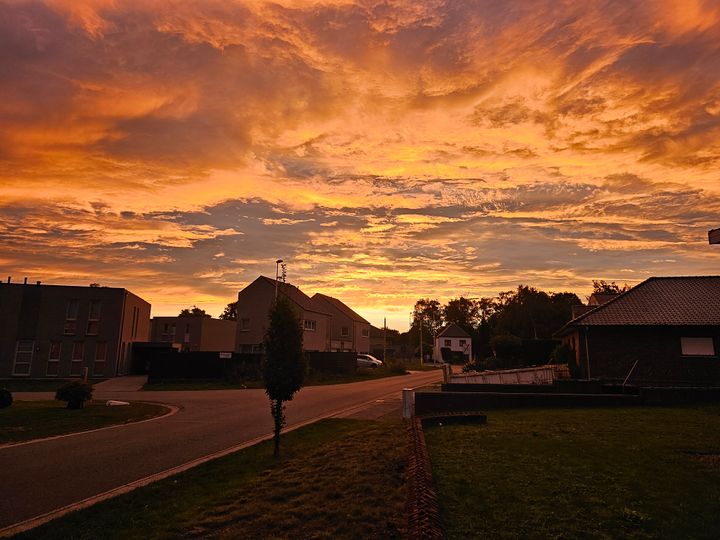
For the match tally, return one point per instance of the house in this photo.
(61, 331)
(254, 303)
(664, 331)
(454, 338)
(595, 299)
(348, 330)
(193, 333)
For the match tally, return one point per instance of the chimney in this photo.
(9, 279)
(37, 282)
(25, 281)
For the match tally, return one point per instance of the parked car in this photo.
(367, 360)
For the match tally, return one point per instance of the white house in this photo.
(454, 338)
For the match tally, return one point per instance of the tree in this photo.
(429, 313)
(192, 312)
(284, 365)
(464, 312)
(230, 313)
(603, 287)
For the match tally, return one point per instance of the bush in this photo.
(76, 393)
(6, 398)
(399, 368)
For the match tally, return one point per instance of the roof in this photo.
(339, 306)
(453, 330)
(295, 295)
(659, 301)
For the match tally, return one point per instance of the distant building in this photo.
(664, 331)
(193, 333)
(56, 330)
(348, 330)
(254, 303)
(454, 339)
(595, 299)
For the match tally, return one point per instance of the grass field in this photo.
(336, 479)
(26, 420)
(601, 473)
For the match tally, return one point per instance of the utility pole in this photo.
(385, 339)
(421, 348)
(278, 264)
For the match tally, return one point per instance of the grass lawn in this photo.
(586, 473)
(25, 420)
(36, 385)
(336, 479)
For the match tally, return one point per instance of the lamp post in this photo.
(277, 276)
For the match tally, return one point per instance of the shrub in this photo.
(76, 393)
(365, 371)
(6, 398)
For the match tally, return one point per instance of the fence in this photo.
(546, 374)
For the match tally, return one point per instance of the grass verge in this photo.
(26, 420)
(336, 479)
(600, 473)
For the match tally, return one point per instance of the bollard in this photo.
(407, 399)
(447, 373)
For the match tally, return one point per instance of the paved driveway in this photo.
(44, 476)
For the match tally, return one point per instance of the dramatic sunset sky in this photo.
(387, 150)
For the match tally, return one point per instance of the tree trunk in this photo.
(277, 412)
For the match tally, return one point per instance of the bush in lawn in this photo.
(6, 398)
(76, 393)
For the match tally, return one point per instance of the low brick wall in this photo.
(423, 511)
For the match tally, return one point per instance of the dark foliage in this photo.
(76, 393)
(6, 398)
(194, 311)
(230, 313)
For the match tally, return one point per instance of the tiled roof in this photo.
(297, 296)
(340, 306)
(660, 301)
(453, 330)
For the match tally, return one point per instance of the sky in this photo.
(386, 150)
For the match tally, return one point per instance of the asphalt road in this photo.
(47, 475)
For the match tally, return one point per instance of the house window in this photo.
(23, 357)
(76, 360)
(365, 332)
(697, 346)
(53, 366)
(344, 331)
(244, 325)
(448, 343)
(462, 342)
(71, 314)
(309, 325)
(100, 354)
(93, 318)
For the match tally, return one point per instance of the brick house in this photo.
(348, 330)
(57, 330)
(664, 331)
(192, 333)
(254, 303)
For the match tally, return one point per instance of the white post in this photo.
(407, 399)
(447, 373)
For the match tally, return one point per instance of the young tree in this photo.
(284, 365)
(603, 287)
(230, 313)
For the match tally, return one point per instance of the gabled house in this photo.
(348, 330)
(194, 333)
(254, 303)
(664, 331)
(454, 339)
(67, 331)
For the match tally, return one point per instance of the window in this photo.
(93, 318)
(76, 360)
(344, 331)
(53, 366)
(100, 353)
(309, 325)
(462, 342)
(365, 332)
(24, 350)
(244, 325)
(448, 343)
(697, 346)
(71, 317)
